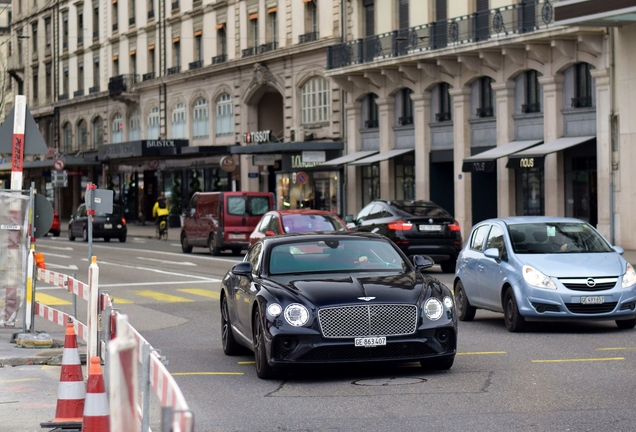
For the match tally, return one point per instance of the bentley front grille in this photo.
(368, 320)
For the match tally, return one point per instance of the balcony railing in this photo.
(308, 37)
(370, 124)
(80, 40)
(78, 93)
(148, 76)
(582, 102)
(405, 120)
(247, 52)
(195, 65)
(513, 19)
(65, 45)
(93, 90)
(271, 46)
(443, 116)
(63, 97)
(485, 112)
(175, 5)
(121, 83)
(131, 21)
(151, 14)
(115, 26)
(174, 70)
(219, 59)
(531, 108)
(96, 34)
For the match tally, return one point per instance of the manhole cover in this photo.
(388, 381)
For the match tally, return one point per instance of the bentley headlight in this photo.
(296, 315)
(629, 278)
(274, 309)
(448, 302)
(433, 309)
(536, 279)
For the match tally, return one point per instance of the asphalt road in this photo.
(554, 377)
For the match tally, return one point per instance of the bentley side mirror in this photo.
(422, 262)
(243, 269)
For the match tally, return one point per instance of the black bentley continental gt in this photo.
(336, 298)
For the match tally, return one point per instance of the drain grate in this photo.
(393, 381)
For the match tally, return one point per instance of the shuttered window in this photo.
(482, 5)
(441, 10)
(403, 12)
(369, 18)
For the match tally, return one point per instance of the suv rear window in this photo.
(251, 206)
(421, 210)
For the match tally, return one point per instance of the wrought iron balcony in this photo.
(525, 17)
(80, 40)
(308, 37)
(151, 14)
(370, 124)
(63, 97)
(405, 120)
(93, 90)
(247, 52)
(96, 34)
(65, 45)
(443, 116)
(219, 59)
(271, 46)
(195, 65)
(531, 108)
(121, 83)
(148, 76)
(174, 70)
(175, 5)
(131, 21)
(485, 112)
(78, 93)
(115, 26)
(582, 102)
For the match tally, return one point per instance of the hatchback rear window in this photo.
(251, 206)
(311, 222)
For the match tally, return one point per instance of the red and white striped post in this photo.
(122, 353)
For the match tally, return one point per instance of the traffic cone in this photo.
(96, 412)
(72, 390)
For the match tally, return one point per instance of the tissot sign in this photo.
(257, 137)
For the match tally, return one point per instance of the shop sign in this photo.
(228, 164)
(527, 162)
(257, 137)
(160, 144)
(252, 175)
(314, 157)
(297, 162)
(263, 160)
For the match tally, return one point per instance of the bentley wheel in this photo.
(514, 321)
(626, 324)
(230, 346)
(442, 363)
(465, 312)
(263, 369)
(185, 247)
(214, 249)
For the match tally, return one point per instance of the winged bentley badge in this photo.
(366, 298)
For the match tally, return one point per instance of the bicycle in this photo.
(162, 228)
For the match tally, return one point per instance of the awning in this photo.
(485, 161)
(286, 147)
(534, 156)
(349, 158)
(382, 156)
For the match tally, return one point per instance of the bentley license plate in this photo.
(430, 227)
(370, 341)
(108, 226)
(592, 300)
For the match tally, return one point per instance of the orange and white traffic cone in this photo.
(96, 412)
(72, 389)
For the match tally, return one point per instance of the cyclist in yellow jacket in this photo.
(160, 213)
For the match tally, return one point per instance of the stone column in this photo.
(353, 142)
(603, 149)
(386, 120)
(421, 117)
(461, 150)
(554, 190)
(505, 100)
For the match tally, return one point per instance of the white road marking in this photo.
(56, 255)
(59, 266)
(156, 271)
(175, 244)
(157, 283)
(185, 263)
(54, 247)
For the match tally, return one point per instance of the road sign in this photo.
(59, 164)
(59, 178)
(301, 178)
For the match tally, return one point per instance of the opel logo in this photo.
(366, 298)
(590, 282)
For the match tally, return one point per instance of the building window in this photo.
(133, 62)
(405, 177)
(444, 108)
(370, 183)
(200, 119)
(151, 9)
(80, 27)
(36, 84)
(252, 28)
(221, 40)
(96, 72)
(115, 17)
(65, 81)
(134, 126)
(405, 107)
(153, 124)
(65, 32)
(176, 52)
(369, 17)
(315, 94)
(131, 12)
(582, 86)
(96, 20)
(179, 121)
(224, 116)
(82, 135)
(532, 92)
(80, 76)
(34, 35)
(116, 66)
(67, 132)
(272, 27)
(198, 46)
(370, 111)
(118, 129)
(311, 17)
(98, 132)
(486, 98)
(151, 59)
(47, 33)
(48, 83)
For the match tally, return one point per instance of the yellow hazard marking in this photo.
(20, 380)
(119, 300)
(482, 353)
(163, 297)
(201, 292)
(579, 360)
(205, 373)
(247, 362)
(50, 300)
(617, 349)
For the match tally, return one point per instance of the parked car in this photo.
(106, 226)
(335, 298)
(544, 269)
(277, 222)
(55, 226)
(417, 227)
(223, 220)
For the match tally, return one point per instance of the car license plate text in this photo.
(108, 226)
(592, 300)
(430, 227)
(370, 341)
(237, 236)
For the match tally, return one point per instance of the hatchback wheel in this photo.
(263, 368)
(230, 346)
(626, 324)
(465, 312)
(514, 321)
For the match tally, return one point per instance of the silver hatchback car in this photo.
(544, 269)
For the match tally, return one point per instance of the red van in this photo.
(223, 220)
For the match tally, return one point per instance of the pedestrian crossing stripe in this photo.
(49, 300)
(163, 297)
(201, 292)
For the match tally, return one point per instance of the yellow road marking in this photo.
(482, 353)
(617, 349)
(205, 373)
(50, 300)
(20, 380)
(247, 362)
(579, 360)
(163, 297)
(201, 292)
(119, 300)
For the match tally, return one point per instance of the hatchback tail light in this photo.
(400, 226)
(454, 226)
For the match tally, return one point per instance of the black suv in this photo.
(416, 227)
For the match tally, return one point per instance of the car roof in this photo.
(515, 220)
(302, 211)
(316, 236)
(409, 202)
